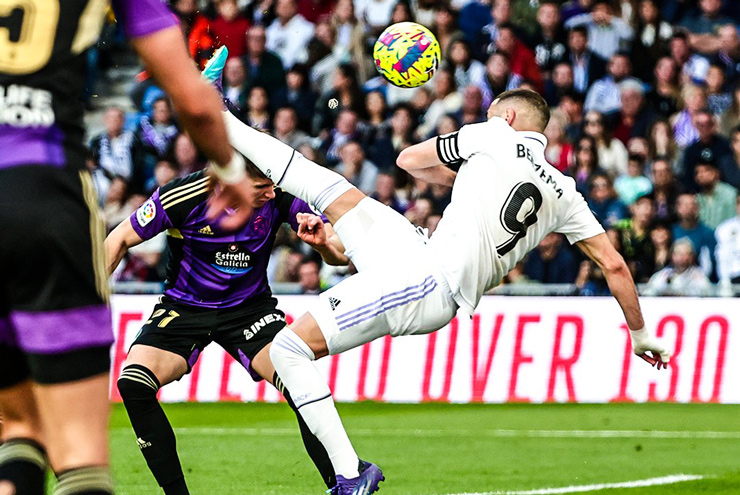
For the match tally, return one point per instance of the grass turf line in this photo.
(447, 462)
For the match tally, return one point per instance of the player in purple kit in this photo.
(216, 291)
(55, 327)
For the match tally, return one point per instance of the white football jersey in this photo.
(505, 200)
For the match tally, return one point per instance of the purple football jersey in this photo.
(210, 267)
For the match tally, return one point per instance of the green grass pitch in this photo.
(443, 449)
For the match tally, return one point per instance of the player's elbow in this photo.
(406, 159)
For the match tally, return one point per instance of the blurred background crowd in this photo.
(645, 98)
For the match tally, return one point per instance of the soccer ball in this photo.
(406, 54)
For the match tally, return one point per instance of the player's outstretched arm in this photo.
(321, 237)
(118, 242)
(422, 162)
(618, 276)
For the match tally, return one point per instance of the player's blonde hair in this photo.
(532, 101)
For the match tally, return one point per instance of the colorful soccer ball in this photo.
(407, 54)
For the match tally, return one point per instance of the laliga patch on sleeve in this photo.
(146, 213)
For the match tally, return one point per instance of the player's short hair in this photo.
(533, 100)
(252, 171)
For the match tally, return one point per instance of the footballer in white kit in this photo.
(505, 199)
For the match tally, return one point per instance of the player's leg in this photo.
(58, 309)
(165, 349)
(362, 308)
(247, 335)
(320, 187)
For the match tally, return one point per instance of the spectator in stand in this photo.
(257, 113)
(447, 124)
(392, 140)
(728, 248)
(693, 67)
(351, 37)
(486, 40)
(345, 130)
(195, 28)
(117, 151)
(376, 14)
(440, 196)
(709, 147)
(632, 238)
(604, 95)
(731, 168)
(385, 192)
(471, 111)
(607, 33)
(445, 26)
(549, 40)
(572, 8)
(559, 153)
(652, 35)
(666, 190)
(289, 34)
(661, 142)
(730, 119)
(587, 65)
(347, 93)
(401, 13)
(260, 12)
(604, 202)
(156, 133)
(709, 20)
(559, 84)
(682, 277)
(297, 94)
(571, 105)
(612, 153)
(446, 100)
(377, 112)
(467, 70)
(716, 199)
(324, 55)
(718, 99)
(633, 184)
(419, 212)
(635, 117)
(285, 126)
(230, 27)
(235, 83)
(728, 55)
(308, 276)
(663, 97)
(586, 163)
(313, 10)
(498, 77)
(186, 155)
(660, 235)
(684, 129)
(701, 236)
(551, 262)
(117, 205)
(263, 68)
(522, 59)
(359, 171)
(474, 15)
(164, 172)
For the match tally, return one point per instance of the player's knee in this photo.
(286, 347)
(137, 383)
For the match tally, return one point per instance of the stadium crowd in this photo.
(645, 99)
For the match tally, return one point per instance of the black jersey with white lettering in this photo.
(42, 72)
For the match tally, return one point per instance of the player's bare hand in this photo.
(649, 350)
(232, 204)
(311, 229)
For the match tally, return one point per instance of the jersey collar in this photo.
(537, 140)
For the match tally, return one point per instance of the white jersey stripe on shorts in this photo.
(367, 307)
(388, 302)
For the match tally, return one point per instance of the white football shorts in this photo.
(398, 290)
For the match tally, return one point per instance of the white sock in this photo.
(293, 361)
(316, 185)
